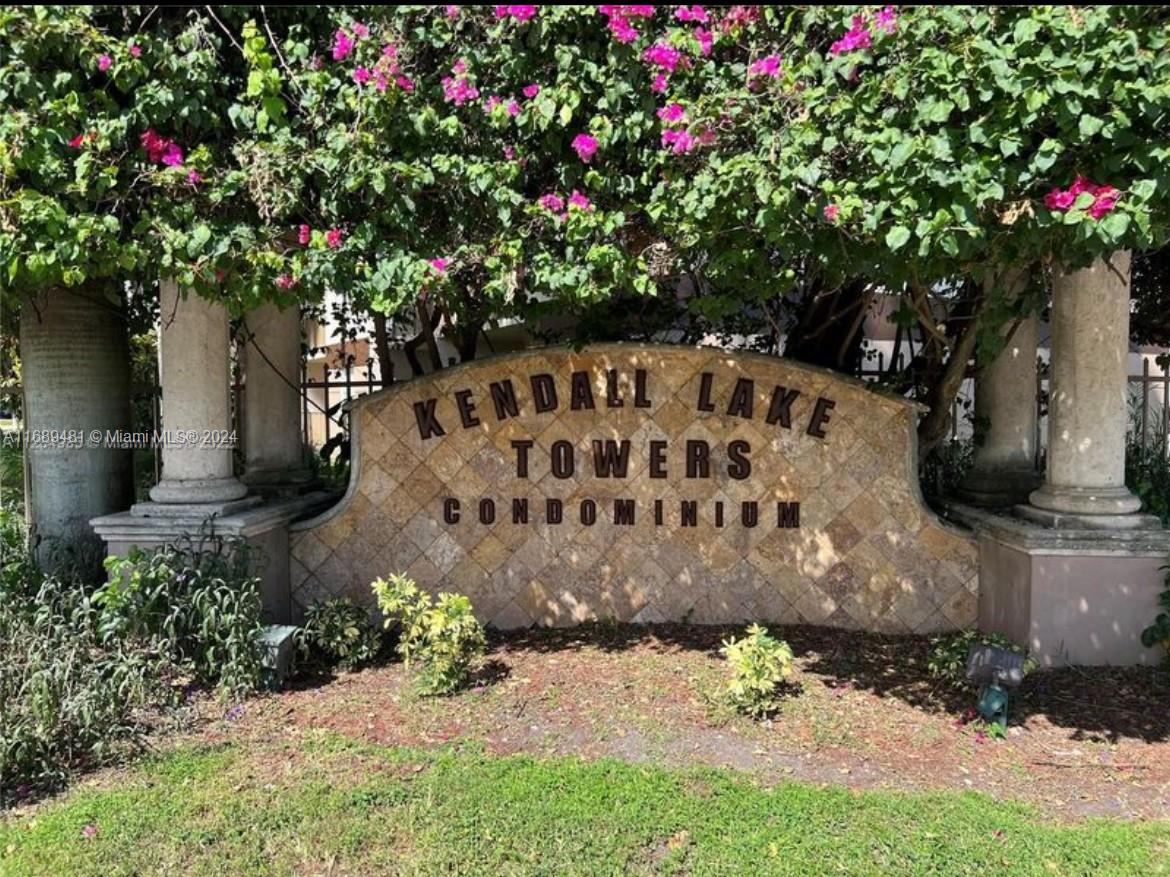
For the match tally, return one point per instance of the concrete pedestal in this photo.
(1004, 471)
(194, 350)
(76, 367)
(264, 527)
(271, 359)
(1084, 487)
(1073, 597)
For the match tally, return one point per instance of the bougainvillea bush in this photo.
(464, 164)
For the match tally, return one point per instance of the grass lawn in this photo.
(318, 803)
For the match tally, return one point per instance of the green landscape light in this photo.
(996, 671)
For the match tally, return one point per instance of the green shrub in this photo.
(1158, 633)
(948, 654)
(443, 637)
(759, 664)
(68, 698)
(341, 632)
(1147, 473)
(195, 605)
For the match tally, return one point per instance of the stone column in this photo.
(271, 358)
(193, 348)
(75, 361)
(1004, 471)
(1088, 412)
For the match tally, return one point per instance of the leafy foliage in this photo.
(1158, 633)
(1147, 474)
(443, 637)
(948, 656)
(758, 663)
(196, 605)
(341, 632)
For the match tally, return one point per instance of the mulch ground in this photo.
(862, 712)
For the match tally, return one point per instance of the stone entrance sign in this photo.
(643, 483)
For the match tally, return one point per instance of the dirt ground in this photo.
(862, 712)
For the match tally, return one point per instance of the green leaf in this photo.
(897, 237)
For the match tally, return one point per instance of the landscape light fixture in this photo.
(996, 671)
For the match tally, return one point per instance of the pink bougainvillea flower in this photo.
(405, 83)
(492, 102)
(285, 281)
(658, 86)
(361, 75)
(554, 203)
(509, 152)
(768, 66)
(333, 238)
(517, 13)
(531, 91)
(390, 50)
(78, 140)
(459, 67)
(831, 212)
(105, 62)
(304, 235)
(89, 832)
(585, 146)
(691, 13)
(672, 113)
(678, 140)
(663, 56)
(439, 265)
(136, 51)
(342, 45)
(740, 16)
(459, 90)
(706, 40)
(580, 202)
(452, 12)
(194, 177)
(707, 137)
(886, 19)
(360, 30)
(856, 38)
(1105, 197)
(512, 107)
(172, 156)
(620, 20)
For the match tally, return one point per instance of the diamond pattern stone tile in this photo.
(866, 553)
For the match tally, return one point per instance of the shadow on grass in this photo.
(1093, 703)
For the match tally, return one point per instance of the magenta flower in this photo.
(459, 67)
(580, 201)
(663, 56)
(509, 152)
(194, 177)
(1059, 199)
(104, 63)
(360, 30)
(78, 140)
(439, 265)
(856, 38)
(304, 235)
(886, 19)
(1104, 201)
(532, 90)
(551, 202)
(361, 76)
(405, 83)
(285, 281)
(452, 12)
(832, 211)
(458, 90)
(620, 20)
(658, 86)
(1105, 197)
(172, 156)
(513, 108)
(136, 51)
(518, 13)
(333, 238)
(342, 45)
(89, 832)
(585, 146)
(492, 102)
(679, 141)
(768, 66)
(706, 40)
(672, 113)
(691, 13)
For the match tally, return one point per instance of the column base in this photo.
(191, 511)
(188, 491)
(999, 488)
(1102, 508)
